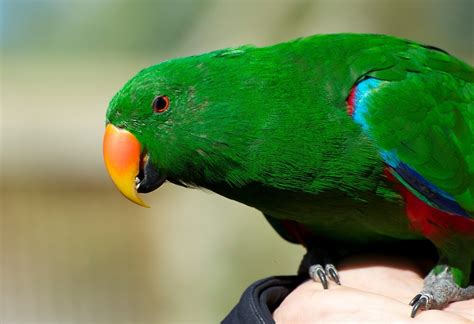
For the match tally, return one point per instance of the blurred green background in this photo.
(73, 250)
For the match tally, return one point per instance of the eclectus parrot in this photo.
(342, 141)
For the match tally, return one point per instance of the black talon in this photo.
(334, 276)
(322, 277)
(415, 299)
(417, 306)
(421, 301)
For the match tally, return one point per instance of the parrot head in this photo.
(162, 126)
(137, 130)
(143, 123)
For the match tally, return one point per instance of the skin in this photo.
(393, 282)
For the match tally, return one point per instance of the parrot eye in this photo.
(161, 104)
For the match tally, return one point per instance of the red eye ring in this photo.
(160, 104)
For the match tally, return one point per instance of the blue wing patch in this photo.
(414, 181)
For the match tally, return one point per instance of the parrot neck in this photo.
(242, 151)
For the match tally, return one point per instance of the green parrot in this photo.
(344, 142)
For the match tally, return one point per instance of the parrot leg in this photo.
(319, 267)
(440, 289)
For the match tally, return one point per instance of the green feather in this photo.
(268, 127)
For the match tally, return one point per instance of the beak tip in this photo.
(134, 198)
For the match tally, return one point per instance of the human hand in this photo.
(374, 288)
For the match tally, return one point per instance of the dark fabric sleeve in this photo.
(260, 300)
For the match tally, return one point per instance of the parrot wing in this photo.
(420, 114)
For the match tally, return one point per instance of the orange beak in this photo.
(122, 159)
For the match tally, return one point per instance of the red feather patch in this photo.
(433, 223)
(350, 101)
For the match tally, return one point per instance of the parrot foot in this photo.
(320, 274)
(318, 266)
(439, 290)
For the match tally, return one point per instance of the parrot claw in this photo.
(317, 273)
(320, 274)
(332, 272)
(319, 266)
(422, 300)
(439, 290)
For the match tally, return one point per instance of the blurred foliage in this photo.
(72, 250)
